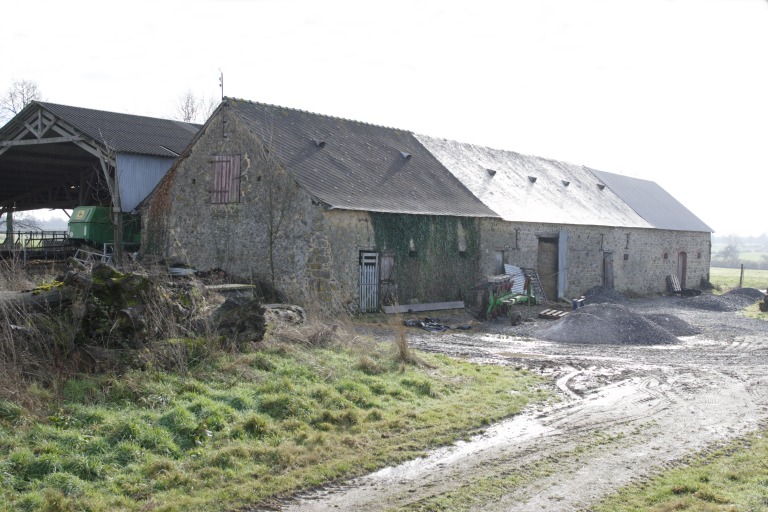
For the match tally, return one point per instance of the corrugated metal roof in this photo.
(652, 202)
(128, 133)
(522, 188)
(358, 166)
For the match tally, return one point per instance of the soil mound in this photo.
(733, 300)
(607, 323)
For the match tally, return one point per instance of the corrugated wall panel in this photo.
(138, 175)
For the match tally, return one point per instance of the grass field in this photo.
(725, 279)
(243, 428)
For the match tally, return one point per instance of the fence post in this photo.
(741, 275)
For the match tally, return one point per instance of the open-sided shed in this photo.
(57, 156)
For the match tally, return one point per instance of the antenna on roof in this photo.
(221, 83)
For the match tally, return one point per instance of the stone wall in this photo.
(238, 237)
(642, 258)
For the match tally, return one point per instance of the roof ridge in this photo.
(327, 116)
(492, 148)
(47, 104)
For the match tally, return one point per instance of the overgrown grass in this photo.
(732, 478)
(725, 279)
(241, 429)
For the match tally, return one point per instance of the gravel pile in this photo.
(611, 324)
(733, 300)
(673, 324)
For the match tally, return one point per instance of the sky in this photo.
(673, 91)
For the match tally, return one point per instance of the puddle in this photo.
(516, 430)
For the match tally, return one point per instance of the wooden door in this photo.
(388, 289)
(369, 281)
(547, 266)
(608, 269)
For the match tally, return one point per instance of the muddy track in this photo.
(625, 412)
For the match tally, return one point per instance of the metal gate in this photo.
(369, 281)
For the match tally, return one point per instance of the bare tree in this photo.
(194, 109)
(18, 95)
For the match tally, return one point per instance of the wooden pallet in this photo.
(553, 314)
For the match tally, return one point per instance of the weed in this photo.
(257, 425)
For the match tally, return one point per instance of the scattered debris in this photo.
(673, 287)
(434, 325)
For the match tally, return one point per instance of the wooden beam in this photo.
(49, 140)
(415, 308)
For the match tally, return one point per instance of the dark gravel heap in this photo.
(673, 324)
(610, 324)
(733, 300)
(600, 294)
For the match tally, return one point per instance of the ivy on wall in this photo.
(436, 258)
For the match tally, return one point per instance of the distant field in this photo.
(727, 278)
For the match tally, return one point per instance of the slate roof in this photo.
(126, 133)
(653, 203)
(357, 166)
(502, 180)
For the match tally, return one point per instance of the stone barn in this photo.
(578, 227)
(349, 215)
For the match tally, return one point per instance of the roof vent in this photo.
(566, 182)
(492, 172)
(601, 186)
(407, 156)
(319, 143)
(532, 179)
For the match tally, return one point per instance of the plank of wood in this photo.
(431, 306)
(553, 314)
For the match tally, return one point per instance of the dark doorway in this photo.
(682, 267)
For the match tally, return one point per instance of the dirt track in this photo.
(626, 411)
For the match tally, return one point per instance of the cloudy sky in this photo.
(674, 91)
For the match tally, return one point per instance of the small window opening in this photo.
(412, 248)
(626, 257)
(499, 260)
(532, 179)
(666, 256)
(462, 238)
